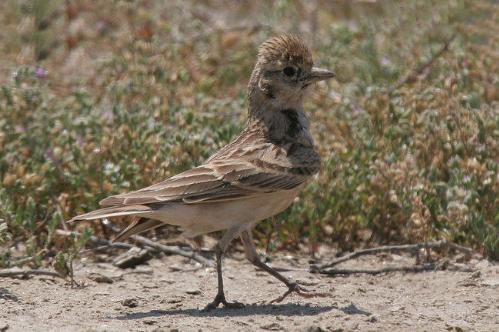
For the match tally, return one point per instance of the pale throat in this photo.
(261, 104)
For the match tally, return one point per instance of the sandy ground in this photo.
(168, 294)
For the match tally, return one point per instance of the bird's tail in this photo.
(115, 211)
(137, 226)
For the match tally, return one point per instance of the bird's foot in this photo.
(220, 298)
(295, 288)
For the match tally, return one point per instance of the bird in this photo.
(255, 176)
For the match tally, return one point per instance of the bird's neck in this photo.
(279, 124)
(261, 105)
(277, 119)
(265, 106)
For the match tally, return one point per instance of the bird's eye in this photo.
(289, 71)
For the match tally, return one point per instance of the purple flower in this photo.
(40, 73)
(101, 26)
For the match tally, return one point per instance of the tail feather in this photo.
(136, 227)
(113, 212)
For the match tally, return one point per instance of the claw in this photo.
(220, 298)
(303, 292)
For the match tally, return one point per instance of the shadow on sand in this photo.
(289, 309)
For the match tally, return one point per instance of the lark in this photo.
(257, 175)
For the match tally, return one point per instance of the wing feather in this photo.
(216, 181)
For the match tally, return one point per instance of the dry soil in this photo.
(168, 294)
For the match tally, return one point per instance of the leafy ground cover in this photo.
(101, 97)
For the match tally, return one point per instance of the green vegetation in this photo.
(101, 97)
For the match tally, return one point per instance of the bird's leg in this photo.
(293, 287)
(219, 251)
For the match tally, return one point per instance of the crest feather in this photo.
(286, 48)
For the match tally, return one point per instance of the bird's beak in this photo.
(319, 74)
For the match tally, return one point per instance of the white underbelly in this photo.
(202, 218)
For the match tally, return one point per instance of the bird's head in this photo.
(283, 72)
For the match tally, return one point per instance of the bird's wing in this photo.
(215, 181)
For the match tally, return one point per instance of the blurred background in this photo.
(103, 97)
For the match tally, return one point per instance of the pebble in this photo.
(491, 282)
(100, 278)
(131, 303)
(315, 329)
(272, 327)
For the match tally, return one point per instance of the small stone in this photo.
(272, 327)
(150, 286)
(174, 301)
(308, 282)
(372, 319)
(491, 282)
(468, 283)
(176, 268)
(131, 303)
(100, 278)
(315, 329)
(193, 291)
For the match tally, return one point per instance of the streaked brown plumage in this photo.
(257, 175)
